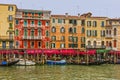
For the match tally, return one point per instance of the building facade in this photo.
(38, 29)
(7, 15)
(66, 32)
(32, 29)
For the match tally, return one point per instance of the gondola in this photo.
(52, 62)
(4, 63)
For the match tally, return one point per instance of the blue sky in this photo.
(109, 8)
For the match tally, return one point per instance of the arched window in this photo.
(89, 43)
(16, 32)
(39, 32)
(110, 44)
(94, 43)
(62, 30)
(25, 32)
(53, 29)
(102, 44)
(83, 30)
(115, 43)
(115, 32)
(70, 30)
(107, 32)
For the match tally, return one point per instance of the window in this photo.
(47, 23)
(47, 33)
(102, 44)
(25, 23)
(115, 43)
(25, 43)
(70, 30)
(94, 24)
(95, 32)
(102, 24)
(82, 45)
(53, 20)
(53, 38)
(10, 8)
(62, 38)
(59, 20)
(62, 45)
(83, 30)
(39, 23)
(17, 43)
(82, 22)
(39, 33)
(88, 32)
(73, 45)
(75, 39)
(53, 29)
(88, 23)
(83, 39)
(115, 31)
(32, 23)
(107, 43)
(10, 17)
(17, 22)
(10, 26)
(32, 33)
(94, 43)
(70, 38)
(53, 45)
(62, 30)
(32, 44)
(32, 14)
(72, 21)
(74, 30)
(47, 44)
(16, 32)
(89, 43)
(102, 33)
(25, 32)
(39, 44)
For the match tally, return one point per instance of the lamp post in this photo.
(25, 56)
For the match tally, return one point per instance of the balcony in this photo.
(109, 36)
(10, 38)
(93, 47)
(32, 17)
(32, 37)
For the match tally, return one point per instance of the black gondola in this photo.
(9, 63)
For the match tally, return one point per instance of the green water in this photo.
(67, 72)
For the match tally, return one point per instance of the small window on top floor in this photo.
(53, 20)
(102, 24)
(10, 8)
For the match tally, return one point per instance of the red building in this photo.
(32, 29)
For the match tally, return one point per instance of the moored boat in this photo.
(5, 63)
(52, 62)
(23, 62)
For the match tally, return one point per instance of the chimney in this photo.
(66, 14)
(78, 14)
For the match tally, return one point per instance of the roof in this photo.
(31, 10)
(65, 16)
(7, 4)
(114, 19)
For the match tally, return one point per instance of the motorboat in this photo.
(53, 62)
(26, 62)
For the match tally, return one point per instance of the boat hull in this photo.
(10, 63)
(51, 62)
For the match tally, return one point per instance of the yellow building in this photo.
(7, 15)
(66, 32)
(113, 32)
(95, 31)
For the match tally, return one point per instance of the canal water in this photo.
(67, 72)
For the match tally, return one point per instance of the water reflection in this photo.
(67, 72)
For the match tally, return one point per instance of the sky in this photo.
(108, 8)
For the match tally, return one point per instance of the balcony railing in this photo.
(109, 36)
(7, 47)
(32, 37)
(97, 46)
(6, 37)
